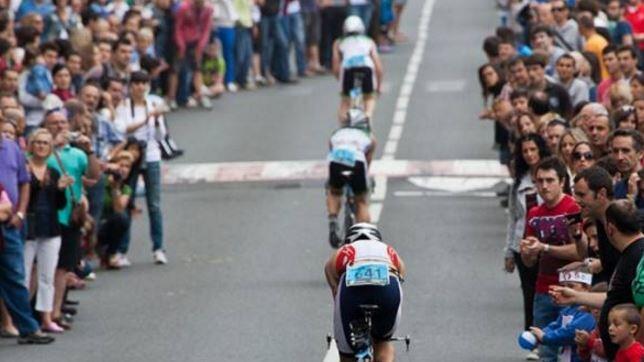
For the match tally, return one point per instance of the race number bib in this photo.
(344, 157)
(355, 61)
(367, 274)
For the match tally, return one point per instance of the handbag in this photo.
(79, 216)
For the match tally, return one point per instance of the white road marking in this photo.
(445, 86)
(457, 184)
(408, 193)
(380, 191)
(375, 208)
(332, 355)
(481, 194)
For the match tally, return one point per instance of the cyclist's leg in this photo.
(346, 82)
(384, 351)
(359, 185)
(369, 92)
(334, 190)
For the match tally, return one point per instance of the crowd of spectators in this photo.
(564, 87)
(85, 89)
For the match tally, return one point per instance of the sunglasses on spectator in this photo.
(40, 143)
(577, 156)
(563, 8)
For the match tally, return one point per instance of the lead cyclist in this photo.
(356, 55)
(364, 249)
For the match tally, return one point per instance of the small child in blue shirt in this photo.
(561, 332)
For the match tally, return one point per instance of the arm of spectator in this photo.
(565, 335)
(567, 296)
(529, 254)
(24, 97)
(62, 182)
(23, 202)
(178, 32)
(205, 36)
(627, 39)
(6, 208)
(336, 62)
(582, 339)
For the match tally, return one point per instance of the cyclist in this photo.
(364, 249)
(351, 149)
(356, 56)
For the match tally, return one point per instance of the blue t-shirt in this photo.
(618, 29)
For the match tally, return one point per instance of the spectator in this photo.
(555, 129)
(213, 69)
(312, 27)
(243, 43)
(9, 82)
(624, 325)
(225, 17)
(567, 31)
(274, 56)
(192, 28)
(14, 180)
(557, 97)
(624, 118)
(62, 82)
(595, 43)
(294, 29)
(61, 22)
(627, 62)
(582, 157)
(525, 124)
(614, 71)
(566, 145)
(577, 89)
(332, 14)
(548, 243)
(626, 150)
(637, 86)
(589, 346)
(620, 30)
(598, 129)
(163, 22)
(530, 150)
(47, 196)
(634, 15)
(115, 221)
(541, 38)
(142, 118)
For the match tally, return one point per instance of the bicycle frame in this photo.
(356, 92)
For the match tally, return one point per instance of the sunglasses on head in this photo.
(577, 156)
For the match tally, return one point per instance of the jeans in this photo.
(95, 196)
(226, 36)
(545, 312)
(152, 180)
(112, 230)
(364, 12)
(294, 29)
(12, 277)
(528, 277)
(332, 21)
(243, 54)
(274, 48)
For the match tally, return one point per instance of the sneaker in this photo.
(36, 338)
(192, 103)
(91, 277)
(124, 261)
(159, 257)
(259, 80)
(173, 105)
(334, 239)
(232, 87)
(205, 102)
(115, 261)
(533, 355)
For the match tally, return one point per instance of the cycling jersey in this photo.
(347, 160)
(356, 51)
(349, 298)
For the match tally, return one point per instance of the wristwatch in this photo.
(20, 216)
(546, 248)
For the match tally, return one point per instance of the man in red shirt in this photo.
(192, 28)
(548, 241)
(634, 14)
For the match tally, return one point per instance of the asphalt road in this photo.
(245, 280)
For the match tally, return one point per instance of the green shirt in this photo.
(75, 162)
(108, 202)
(638, 285)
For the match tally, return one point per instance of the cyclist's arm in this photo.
(402, 268)
(337, 59)
(332, 277)
(378, 65)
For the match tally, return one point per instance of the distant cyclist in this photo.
(364, 254)
(356, 55)
(351, 149)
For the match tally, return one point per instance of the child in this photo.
(561, 333)
(589, 345)
(624, 322)
(39, 81)
(213, 69)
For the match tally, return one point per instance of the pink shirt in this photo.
(192, 25)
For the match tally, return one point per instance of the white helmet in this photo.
(353, 25)
(361, 231)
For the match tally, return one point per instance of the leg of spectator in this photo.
(47, 260)
(267, 45)
(399, 6)
(152, 179)
(528, 277)
(545, 312)
(326, 41)
(5, 318)
(297, 30)
(227, 37)
(31, 247)
(12, 287)
(282, 66)
(241, 64)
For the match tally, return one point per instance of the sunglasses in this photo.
(40, 143)
(559, 9)
(577, 156)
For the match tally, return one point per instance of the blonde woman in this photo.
(568, 141)
(47, 196)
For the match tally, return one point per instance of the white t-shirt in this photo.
(356, 51)
(352, 140)
(127, 115)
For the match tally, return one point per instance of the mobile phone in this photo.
(573, 218)
(530, 201)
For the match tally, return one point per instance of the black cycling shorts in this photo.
(349, 75)
(384, 320)
(357, 180)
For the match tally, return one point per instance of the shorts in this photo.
(349, 76)
(312, 27)
(69, 254)
(384, 320)
(189, 59)
(357, 180)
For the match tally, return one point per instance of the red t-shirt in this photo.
(633, 353)
(635, 16)
(550, 227)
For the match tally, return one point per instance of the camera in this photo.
(116, 175)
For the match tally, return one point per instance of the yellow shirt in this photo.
(595, 44)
